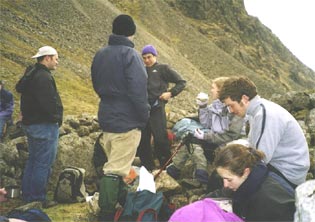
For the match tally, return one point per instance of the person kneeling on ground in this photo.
(223, 127)
(258, 194)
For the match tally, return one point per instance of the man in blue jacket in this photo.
(6, 107)
(120, 80)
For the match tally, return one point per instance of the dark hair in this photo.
(2, 82)
(235, 87)
(41, 58)
(236, 157)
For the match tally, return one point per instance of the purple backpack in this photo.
(203, 211)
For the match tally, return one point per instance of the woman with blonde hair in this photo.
(219, 127)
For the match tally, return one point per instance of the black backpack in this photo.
(70, 187)
(99, 157)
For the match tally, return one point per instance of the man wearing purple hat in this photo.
(159, 77)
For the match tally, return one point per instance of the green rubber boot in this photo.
(108, 197)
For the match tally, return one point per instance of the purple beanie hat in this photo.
(149, 49)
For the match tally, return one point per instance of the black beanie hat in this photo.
(124, 25)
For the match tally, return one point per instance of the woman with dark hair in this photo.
(257, 193)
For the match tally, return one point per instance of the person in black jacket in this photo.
(159, 77)
(42, 113)
(257, 193)
(119, 78)
(6, 107)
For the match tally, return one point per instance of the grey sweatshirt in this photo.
(224, 126)
(282, 141)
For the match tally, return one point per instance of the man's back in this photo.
(119, 78)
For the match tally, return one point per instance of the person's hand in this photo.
(3, 192)
(165, 96)
(202, 99)
(199, 134)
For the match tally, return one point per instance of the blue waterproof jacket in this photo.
(120, 80)
(6, 104)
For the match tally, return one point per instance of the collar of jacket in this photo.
(120, 40)
(254, 105)
(252, 183)
(41, 66)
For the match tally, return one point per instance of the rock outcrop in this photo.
(79, 133)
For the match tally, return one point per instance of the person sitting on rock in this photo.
(223, 128)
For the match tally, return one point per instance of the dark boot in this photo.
(215, 182)
(202, 176)
(109, 192)
(173, 171)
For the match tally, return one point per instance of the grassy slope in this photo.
(78, 28)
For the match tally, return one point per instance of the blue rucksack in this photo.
(140, 206)
(185, 126)
(30, 215)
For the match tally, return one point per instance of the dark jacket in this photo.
(159, 77)
(262, 198)
(119, 78)
(40, 101)
(6, 103)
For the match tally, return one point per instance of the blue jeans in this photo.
(42, 146)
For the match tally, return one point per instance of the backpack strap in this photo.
(118, 214)
(146, 211)
(262, 125)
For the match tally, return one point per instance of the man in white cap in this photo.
(42, 112)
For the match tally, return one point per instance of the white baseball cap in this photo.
(45, 50)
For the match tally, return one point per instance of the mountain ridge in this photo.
(200, 49)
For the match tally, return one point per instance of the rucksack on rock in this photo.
(140, 206)
(145, 206)
(31, 215)
(99, 157)
(185, 126)
(70, 187)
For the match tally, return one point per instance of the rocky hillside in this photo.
(202, 39)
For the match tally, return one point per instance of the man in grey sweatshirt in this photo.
(273, 130)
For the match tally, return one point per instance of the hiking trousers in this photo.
(120, 149)
(157, 128)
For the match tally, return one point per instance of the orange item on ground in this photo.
(130, 178)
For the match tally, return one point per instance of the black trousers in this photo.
(156, 127)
